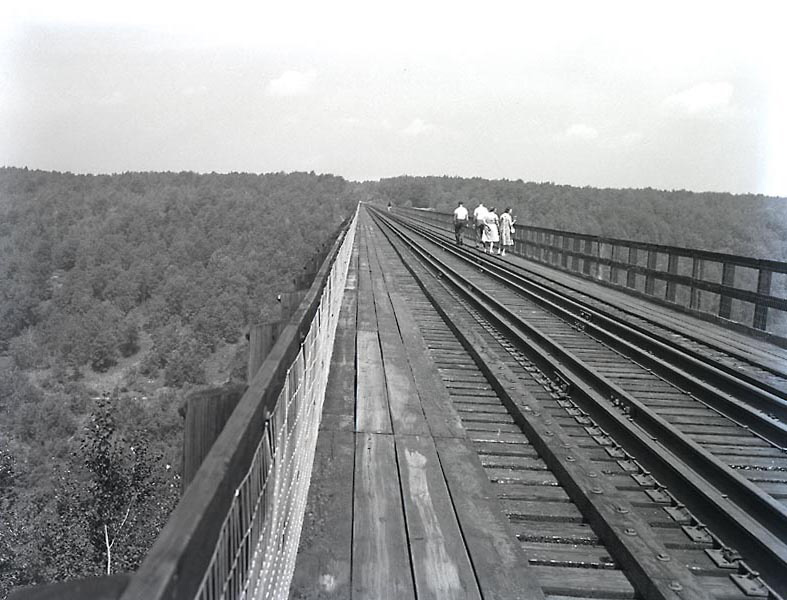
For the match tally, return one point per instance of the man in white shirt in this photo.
(460, 221)
(479, 215)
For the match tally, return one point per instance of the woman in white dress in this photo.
(491, 234)
(506, 231)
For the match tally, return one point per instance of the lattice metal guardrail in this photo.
(256, 550)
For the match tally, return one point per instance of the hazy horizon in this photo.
(606, 94)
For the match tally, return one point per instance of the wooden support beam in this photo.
(262, 337)
(206, 413)
(289, 303)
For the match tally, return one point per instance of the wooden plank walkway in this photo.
(399, 504)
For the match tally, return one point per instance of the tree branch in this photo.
(112, 543)
(109, 549)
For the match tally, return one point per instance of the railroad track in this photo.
(602, 462)
(762, 369)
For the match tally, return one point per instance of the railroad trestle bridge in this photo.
(586, 418)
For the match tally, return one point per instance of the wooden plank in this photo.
(340, 391)
(604, 583)
(440, 413)
(380, 565)
(587, 556)
(550, 533)
(407, 416)
(500, 565)
(440, 561)
(538, 510)
(372, 413)
(367, 319)
(322, 568)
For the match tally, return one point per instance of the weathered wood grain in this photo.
(381, 564)
(372, 414)
(440, 561)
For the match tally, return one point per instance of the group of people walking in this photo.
(490, 228)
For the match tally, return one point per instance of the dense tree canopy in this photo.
(119, 293)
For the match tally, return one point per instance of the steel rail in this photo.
(741, 513)
(717, 387)
(770, 368)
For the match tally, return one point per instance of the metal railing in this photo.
(730, 289)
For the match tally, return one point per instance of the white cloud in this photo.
(418, 127)
(291, 83)
(193, 90)
(582, 132)
(625, 140)
(703, 99)
(113, 99)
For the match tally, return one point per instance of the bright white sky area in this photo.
(671, 95)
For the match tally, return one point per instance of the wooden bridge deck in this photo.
(400, 505)
(399, 501)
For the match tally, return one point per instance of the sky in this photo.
(671, 95)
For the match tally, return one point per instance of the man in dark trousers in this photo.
(460, 221)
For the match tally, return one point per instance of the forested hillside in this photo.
(119, 294)
(746, 224)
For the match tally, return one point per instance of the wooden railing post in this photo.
(631, 275)
(650, 281)
(564, 254)
(672, 269)
(761, 310)
(728, 280)
(575, 258)
(613, 270)
(697, 273)
(587, 251)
